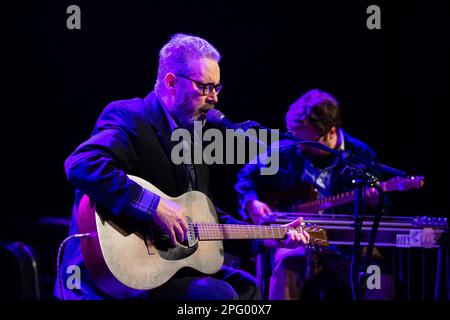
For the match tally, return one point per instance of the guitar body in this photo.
(125, 258)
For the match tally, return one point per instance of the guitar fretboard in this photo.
(224, 231)
(326, 203)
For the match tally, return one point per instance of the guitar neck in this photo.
(238, 231)
(326, 203)
(394, 184)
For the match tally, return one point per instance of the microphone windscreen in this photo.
(214, 116)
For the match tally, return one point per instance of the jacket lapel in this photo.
(160, 124)
(202, 177)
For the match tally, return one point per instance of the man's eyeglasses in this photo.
(316, 138)
(206, 87)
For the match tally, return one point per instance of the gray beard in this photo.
(184, 116)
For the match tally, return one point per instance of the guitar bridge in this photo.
(191, 233)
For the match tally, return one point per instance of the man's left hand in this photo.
(293, 239)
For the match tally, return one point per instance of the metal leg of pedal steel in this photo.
(394, 275)
(424, 274)
(438, 274)
(447, 267)
(408, 273)
(401, 274)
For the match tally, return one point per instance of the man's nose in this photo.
(212, 97)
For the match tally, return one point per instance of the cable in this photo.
(58, 259)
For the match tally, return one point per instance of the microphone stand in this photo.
(355, 278)
(359, 169)
(371, 243)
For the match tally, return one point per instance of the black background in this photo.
(393, 84)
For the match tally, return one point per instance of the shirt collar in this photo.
(341, 140)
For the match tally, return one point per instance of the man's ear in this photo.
(332, 137)
(332, 132)
(169, 81)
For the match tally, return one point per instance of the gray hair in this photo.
(177, 53)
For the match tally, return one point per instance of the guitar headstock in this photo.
(402, 184)
(318, 236)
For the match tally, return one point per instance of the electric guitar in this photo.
(394, 184)
(307, 194)
(126, 258)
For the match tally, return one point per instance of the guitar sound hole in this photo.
(166, 251)
(182, 250)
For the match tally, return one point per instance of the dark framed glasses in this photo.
(206, 87)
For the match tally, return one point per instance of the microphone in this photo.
(218, 119)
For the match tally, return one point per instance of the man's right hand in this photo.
(258, 211)
(171, 218)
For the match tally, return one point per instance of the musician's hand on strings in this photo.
(294, 238)
(258, 211)
(171, 218)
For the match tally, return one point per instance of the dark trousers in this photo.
(227, 284)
